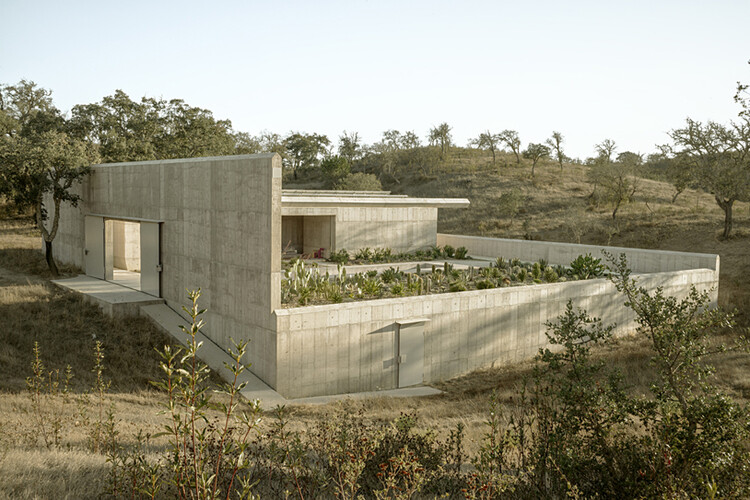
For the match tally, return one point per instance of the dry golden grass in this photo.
(556, 209)
(66, 329)
(53, 474)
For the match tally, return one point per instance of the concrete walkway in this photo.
(118, 300)
(114, 299)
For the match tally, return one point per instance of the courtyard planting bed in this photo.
(311, 283)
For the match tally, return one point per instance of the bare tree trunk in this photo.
(614, 212)
(50, 259)
(49, 236)
(726, 205)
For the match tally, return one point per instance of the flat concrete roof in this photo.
(308, 192)
(299, 198)
(197, 159)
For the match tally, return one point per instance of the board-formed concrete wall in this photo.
(217, 233)
(317, 234)
(351, 347)
(639, 260)
(402, 229)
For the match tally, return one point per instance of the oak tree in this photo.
(305, 151)
(719, 157)
(441, 136)
(153, 129)
(350, 146)
(535, 152)
(41, 163)
(617, 179)
(488, 140)
(555, 144)
(511, 139)
(335, 168)
(606, 149)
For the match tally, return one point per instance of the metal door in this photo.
(150, 262)
(93, 258)
(410, 353)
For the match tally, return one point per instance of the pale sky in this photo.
(628, 70)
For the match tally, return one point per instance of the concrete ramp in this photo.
(213, 355)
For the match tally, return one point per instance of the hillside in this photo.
(556, 206)
(553, 207)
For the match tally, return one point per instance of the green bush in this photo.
(462, 253)
(205, 458)
(485, 284)
(363, 254)
(335, 169)
(587, 267)
(359, 182)
(340, 257)
(592, 439)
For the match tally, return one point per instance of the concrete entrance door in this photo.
(410, 341)
(93, 258)
(150, 260)
(125, 251)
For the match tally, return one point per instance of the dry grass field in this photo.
(554, 207)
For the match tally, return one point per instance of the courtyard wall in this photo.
(639, 260)
(352, 347)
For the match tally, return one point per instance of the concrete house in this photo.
(222, 223)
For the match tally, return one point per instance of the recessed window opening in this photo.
(307, 237)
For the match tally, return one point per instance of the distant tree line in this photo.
(44, 151)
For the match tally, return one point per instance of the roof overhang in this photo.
(332, 199)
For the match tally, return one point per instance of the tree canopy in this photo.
(511, 139)
(555, 143)
(334, 169)
(153, 129)
(20, 103)
(38, 158)
(305, 151)
(441, 136)
(535, 152)
(350, 146)
(617, 179)
(719, 158)
(488, 140)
